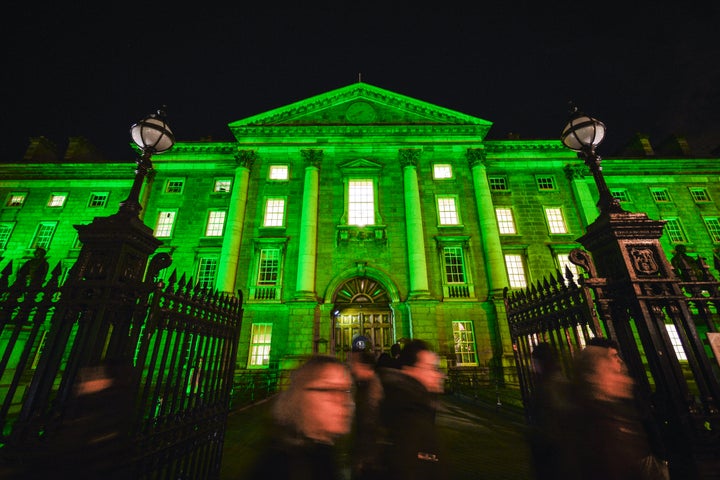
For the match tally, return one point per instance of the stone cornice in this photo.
(295, 131)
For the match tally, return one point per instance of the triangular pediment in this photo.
(360, 104)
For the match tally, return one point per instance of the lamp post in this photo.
(152, 135)
(582, 134)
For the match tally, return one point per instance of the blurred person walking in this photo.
(610, 440)
(364, 446)
(550, 409)
(308, 418)
(411, 447)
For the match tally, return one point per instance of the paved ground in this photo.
(484, 442)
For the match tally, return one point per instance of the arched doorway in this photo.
(362, 307)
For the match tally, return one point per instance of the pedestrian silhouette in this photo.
(365, 449)
(549, 409)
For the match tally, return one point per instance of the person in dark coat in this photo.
(365, 448)
(411, 445)
(308, 418)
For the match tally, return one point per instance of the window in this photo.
(498, 184)
(621, 194)
(15, 200)
(6, 229)
(442, 170)
(174, 185)
(98, 199)
(506, 222)
(564, 263)
(713, 227)
(660, 195)
(278, 172)
(464, 340)
(361, 202)
(456, 279)
(207, 272)
(555, 221)
(77, 244)
(515, 270)
(447, 211)
(269, 266)
(274, 212)
(164, 225)
(260, 337)
(545, 183)
(57, 200)
(454, 265)
(699, 194)
(215, 223)
(43, 235)
(675, 231)
(222, 185)
(675, 341)
(265, 281)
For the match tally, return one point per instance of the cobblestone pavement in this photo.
(483, 442)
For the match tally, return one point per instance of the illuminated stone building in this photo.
(361, 211)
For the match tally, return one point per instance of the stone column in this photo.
(229, 255)
(492, 248)
(417, 263)
(307, 256)
(581, 191)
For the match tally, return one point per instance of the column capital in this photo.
(312, 157)
(476, 157)
(409, 157)
(245, 158)
(576, 172)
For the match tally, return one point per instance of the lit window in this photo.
(164, 225)
(621, 194)
(442, 170)
(565, 263)
(506, 222)
(699, 194)
(274, 212)
(207, 272)
(174, 185)
(660, 195)
(15, 200)
(222, 185)
(555, 220)
(464, 340)
(361, 202)
(43, 235)
(675, 231)
(268, 266)
(454, 265)
(57, 200)
(6, 229)
(260, 337)
(713, 227)
(498, 184)
(675, 341)
(98, 199)
(215, 223)
(515, 270)
(278, 172)
(447, 211)
(545, 183)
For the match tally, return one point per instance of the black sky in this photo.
(91, 69)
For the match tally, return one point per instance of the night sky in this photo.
(91, 69)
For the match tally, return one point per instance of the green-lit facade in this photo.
(360, 211)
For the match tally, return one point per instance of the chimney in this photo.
(41, 150)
